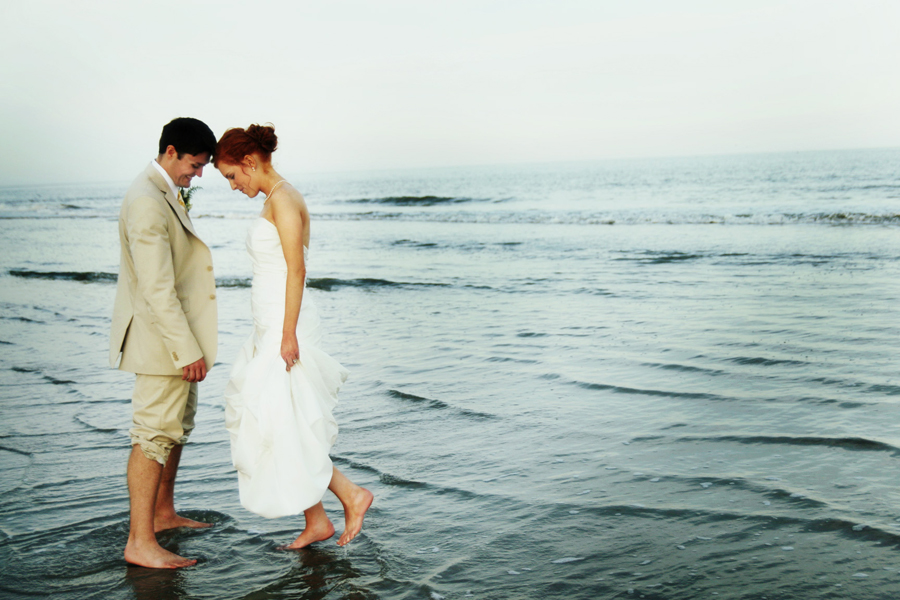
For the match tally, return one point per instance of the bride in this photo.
(283, 388)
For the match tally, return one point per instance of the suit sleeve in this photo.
(148, 240)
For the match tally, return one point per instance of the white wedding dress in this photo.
(281, 423)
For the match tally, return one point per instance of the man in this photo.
(164, 327)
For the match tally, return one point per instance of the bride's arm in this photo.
(288, 219)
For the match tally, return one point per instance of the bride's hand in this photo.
(290, 350)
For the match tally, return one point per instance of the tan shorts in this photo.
(163, 409)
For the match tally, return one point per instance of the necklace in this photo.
(269, 195)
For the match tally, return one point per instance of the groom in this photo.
(164, 327)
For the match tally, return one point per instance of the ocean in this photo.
(658, 378)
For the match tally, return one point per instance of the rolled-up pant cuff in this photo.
(163, 409)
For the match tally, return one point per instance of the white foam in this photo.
(567, 559)
(511, 572)
(706, 484)
(861, 575)
(787, 548)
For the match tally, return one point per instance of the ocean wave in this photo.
(437, 404)
(684, 368)
(419, 209)
(614, 218)
(844, 443)
(646, 392)
(85, 276)
(16, 451)
(414, 244)
(855, 444)
(766, 362)
(234, 282)
(658, 258)
(418, 201)
(395, 480)
(847, 528)
(329, 284)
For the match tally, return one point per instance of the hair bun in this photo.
(264, 136)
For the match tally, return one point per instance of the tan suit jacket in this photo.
(165, 314)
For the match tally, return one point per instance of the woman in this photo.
(283, 388)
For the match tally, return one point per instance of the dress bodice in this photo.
(264, 247)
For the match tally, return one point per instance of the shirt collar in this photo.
(165, 175)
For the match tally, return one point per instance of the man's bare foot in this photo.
(313, 533)
(354, 513)
(154, 556)
(161, 523)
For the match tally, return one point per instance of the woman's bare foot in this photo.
(354, 513)
(161, 523)
(317, 532)
(154, 556)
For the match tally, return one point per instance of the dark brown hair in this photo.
(237, 143)
(187, 135)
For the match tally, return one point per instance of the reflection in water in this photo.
(317, 573)
(156, 584)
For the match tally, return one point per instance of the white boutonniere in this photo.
(186, 196)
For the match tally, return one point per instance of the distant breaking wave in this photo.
(414, 200)
(428, 209)
(611, 218)
(325, 283)
(328, 283)
(89, 277)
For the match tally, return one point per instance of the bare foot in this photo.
(313, 533)
(161, 523)
(154, 556)
(354, 513)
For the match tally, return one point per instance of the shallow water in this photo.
(659, 379)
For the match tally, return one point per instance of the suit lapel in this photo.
(160, 183)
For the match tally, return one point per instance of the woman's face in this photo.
(239, 178)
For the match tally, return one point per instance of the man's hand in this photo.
(196, 371)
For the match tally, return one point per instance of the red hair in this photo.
(237, 143)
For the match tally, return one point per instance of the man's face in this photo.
(183, 169)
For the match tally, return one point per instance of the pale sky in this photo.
(86, 86)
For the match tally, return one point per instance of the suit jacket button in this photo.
(175, 356)
(209, 268)
(212, 296)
